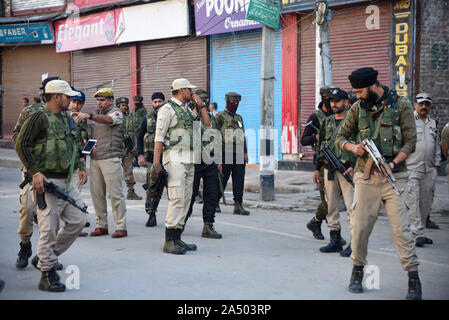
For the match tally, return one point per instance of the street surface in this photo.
(267, 255)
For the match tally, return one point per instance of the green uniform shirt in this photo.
(405, 133)
(225, 120)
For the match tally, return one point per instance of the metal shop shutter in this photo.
(22, 68)
(352, 46)
(185, 59)
(235, 65)
(92, 67)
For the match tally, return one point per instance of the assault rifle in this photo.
(155, 187)
(50, 187)
(220, 183)
(381, 164)
(335, 165)
(129, 144)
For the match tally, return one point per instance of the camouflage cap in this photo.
(121, 100)
(138, 98)
(233, 96)
(202, 94)
(105, 93)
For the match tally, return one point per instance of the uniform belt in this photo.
(54, 175)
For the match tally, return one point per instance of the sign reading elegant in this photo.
(221, 16)
(38, 32)
(95, 30)
(402, 51)
(266, 12)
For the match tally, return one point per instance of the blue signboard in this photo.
(37, 32)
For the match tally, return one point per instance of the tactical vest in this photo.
(329, 139)
(53, 152)
(321, 118)
(232, 122)
(137, 115)
(185, 123)
(148, 139)
(35, 107)
(385, 130)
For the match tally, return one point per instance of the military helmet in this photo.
(233, 96)
(326, 91)
(121, 100)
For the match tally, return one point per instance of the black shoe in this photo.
(24, 254)
(335, 245)
(209, 231)
(87, 225)
(414, 286)
(35, 261)
(172, 247)
(50, 282)
(428, 241)
(431, 225)
(346, 252)
(217, 209)
(187, 247)
(238, 209)
(315, 227)
(151, 220)
(355, 285)
(420, 241)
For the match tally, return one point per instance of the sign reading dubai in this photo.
(221, 16)
(88, 31)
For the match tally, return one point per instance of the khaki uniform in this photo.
(106, 171)
(445, 142)
(422, 174)
(396, 115)
(178, 161)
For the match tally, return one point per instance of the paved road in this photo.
(267, 255)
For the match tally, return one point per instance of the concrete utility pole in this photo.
(323, 15)
(266, 133)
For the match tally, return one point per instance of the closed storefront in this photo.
(92, 68)
(235, 65)
(23, 67)
(169, 59)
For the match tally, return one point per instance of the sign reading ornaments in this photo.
(95, 30)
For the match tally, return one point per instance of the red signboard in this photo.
(90, 3)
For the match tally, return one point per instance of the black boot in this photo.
(35, 261)
(151, 220)
(50, 282)
(24, 254)
(315, 227)
(209, 231)
(430, 224)
(355, 285)
(238, 209)
(414, 286)
(346, 252)
(335, 245)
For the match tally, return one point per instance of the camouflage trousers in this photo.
(321, 210)
(127, 165)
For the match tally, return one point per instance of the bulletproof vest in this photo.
(148, 139)
(321, 118)
(232, 122)
(385, 130)
(213, 125)
(137, 116)
(109, 139)
(185, 123)
(329, 139)
(53, 152)
(126, 124)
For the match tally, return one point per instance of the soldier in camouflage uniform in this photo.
(386, 118)
(234, 152)
(145, 150)
(334, 182)
(310, 138)
(129, 148)
(27, 207)
(207, 170)
(46, 145)
(138, 114)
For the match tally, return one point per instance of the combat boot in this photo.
(151, 220)
(355, 285)
(346, 252)
(187, 247)
(431, 225)
(132, 195)
(35, 261)
(50, 282)
(24, 254)
(238, 209)
(414, 286)
(315, 227)
(209, 231)
(170, 246)
(335, 245)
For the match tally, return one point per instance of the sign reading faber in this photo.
(87, 32)
(221, 16)
(37, 32)
(265, 11)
